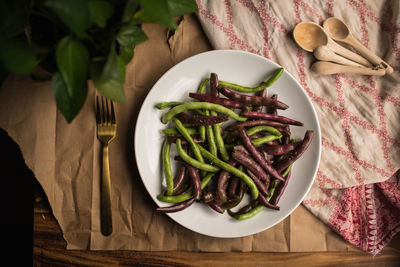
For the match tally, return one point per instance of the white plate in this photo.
(242, 68)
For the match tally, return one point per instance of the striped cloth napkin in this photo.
(357, 188)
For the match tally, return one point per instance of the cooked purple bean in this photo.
(272, 117)
(293, 155)
(177, 207)
(232, 186)
(214, 82)
(280, 189)
(196, 182)
(277, 150)
(217, 100)
(200, 120)
(251, 164)
(261, 186)
(251, 100)
(207, 196)
(233, 202)
(265, 203)
(180, 178)
(257, 155)
(215, 204)
(223, 182)
(272, 110)
(255, 123)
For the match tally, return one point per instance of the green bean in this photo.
(200, 105)
(202, 132)
(192, 161)
(225, 166)
(189, 139)
(261, 87)
(174, 131)
(203, 85)
(250, 214)
(210, 137)
(167, 166)
(164, 105)
(218, 139)
(187, 195)
(265, 139)
(261, 128)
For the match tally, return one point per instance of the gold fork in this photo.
(106, 131)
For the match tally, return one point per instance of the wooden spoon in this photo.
(339, 31)
(325, 54)
(327, 68)
(309, 35)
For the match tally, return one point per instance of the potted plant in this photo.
(77, 40)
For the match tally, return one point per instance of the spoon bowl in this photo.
(309, 35)
(336, 29)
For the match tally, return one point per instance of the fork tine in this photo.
(108, 119)
(98, 119)
(112, 113)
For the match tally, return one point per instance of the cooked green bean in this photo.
(167, 166)
(218, 139)
(262, 128)
(192, 161)
(187, 195)
(164, 105)
(200, 105)
(174, 131)
(225, 166)
(250, 214)
(262, 86)
(203, 85)
(188, 138)
(265, 139)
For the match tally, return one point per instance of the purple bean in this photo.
(261, 187)
(214, 82)
(272, 117)
(276, 150)
(251, 100)
(195, 177)
(232, 186)
(233, 202)
(177, 207)
(280, 189)
(257, 155)
(223, 182)
(208, 196)
(200, 120)
(293, 155)
(180, 178)
(250, 164)
(265, 203)
(218, 100)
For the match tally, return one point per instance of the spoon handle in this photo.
(325, 54)
(365, 52)
(348, 54)
(327, 68)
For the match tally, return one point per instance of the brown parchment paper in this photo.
(65, 160)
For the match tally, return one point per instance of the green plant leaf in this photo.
(73, 13)
(17, 56)
(126, 53)
(181, 7)
(100, 12)
(131, 35)
(129, 11)
(158, 11)
(109, 78)
(67, 104)
(72, 60)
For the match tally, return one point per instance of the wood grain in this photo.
(49, 250)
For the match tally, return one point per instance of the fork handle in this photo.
(105, 212)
